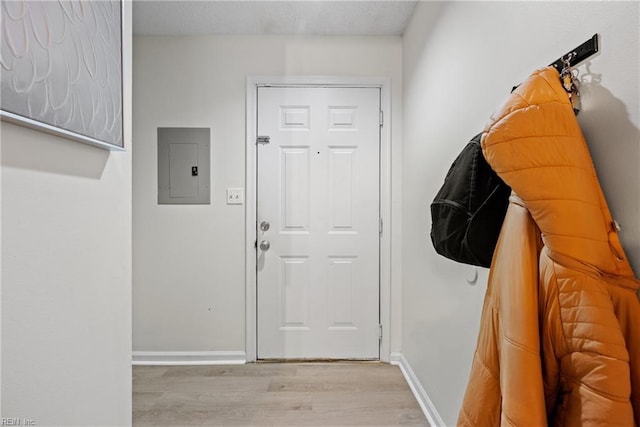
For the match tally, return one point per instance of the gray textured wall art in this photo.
(61, 68)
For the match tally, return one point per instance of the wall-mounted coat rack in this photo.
(580, 53)
(575, 56)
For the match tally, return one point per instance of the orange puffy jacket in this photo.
(559, 340)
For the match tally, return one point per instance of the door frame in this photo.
(253, 82)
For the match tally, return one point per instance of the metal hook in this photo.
(569, 57)
(566, 62)
(473, 279)
(570, 81)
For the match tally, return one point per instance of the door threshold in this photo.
(318, 360)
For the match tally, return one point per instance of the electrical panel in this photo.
(184, 159)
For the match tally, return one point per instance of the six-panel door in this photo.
(318, 189)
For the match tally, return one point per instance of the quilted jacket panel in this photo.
(508, 340)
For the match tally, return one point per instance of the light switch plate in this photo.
(235, 196)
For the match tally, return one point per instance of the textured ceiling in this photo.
(271, 17)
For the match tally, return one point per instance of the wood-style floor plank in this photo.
(274, 394)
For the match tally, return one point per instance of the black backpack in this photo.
(468, 211)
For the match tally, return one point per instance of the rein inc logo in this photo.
(17, 422)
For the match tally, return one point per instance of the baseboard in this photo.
(189, 358)
(419, 392)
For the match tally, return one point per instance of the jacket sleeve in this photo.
(587, 365)
(550, 329)
(481, 403)
(505, 385)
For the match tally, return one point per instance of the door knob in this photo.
(265, 245)
(264, 226)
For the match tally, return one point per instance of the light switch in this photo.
(235, 196)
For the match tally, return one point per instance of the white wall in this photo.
(66, 276)
(457, 70)
(189, 263)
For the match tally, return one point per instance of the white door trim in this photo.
(253, 82)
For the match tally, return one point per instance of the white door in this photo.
(318, 190)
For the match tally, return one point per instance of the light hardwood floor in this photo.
(274, 394)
